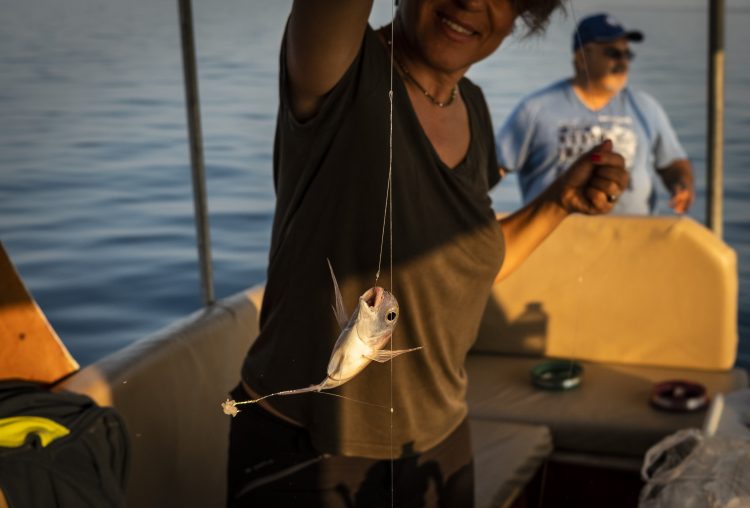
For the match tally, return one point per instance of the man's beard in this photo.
(618, 78)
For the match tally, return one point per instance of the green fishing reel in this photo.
(557, 375)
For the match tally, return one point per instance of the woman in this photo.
(331, 175)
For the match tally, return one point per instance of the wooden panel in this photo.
(29, 347)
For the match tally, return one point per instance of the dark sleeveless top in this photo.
(330, 175)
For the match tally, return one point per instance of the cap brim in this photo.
(634, 36)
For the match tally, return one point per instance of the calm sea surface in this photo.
(95, 191)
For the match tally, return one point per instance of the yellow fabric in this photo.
(14, 430)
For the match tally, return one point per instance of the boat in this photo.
(579, 447)
(668, 313)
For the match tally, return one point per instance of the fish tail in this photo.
(326, 384)
(311, 388)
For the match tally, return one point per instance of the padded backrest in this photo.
(658, 291)
(168, 388)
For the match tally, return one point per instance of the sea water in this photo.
(95, 187)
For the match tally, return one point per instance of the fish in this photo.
(361, 341)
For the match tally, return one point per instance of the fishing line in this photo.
(388, 192)
(576, 332)
(602, 135)
(389, 200)
(290, 392)
(580, 43)
(388, 218)
(551, 374)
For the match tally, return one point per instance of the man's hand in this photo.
(682, 197)
(678, 178)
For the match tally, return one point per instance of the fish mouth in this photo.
(374, 296)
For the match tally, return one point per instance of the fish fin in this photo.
(386, 354)
(338, 308)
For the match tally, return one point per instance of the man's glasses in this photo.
(618, 54)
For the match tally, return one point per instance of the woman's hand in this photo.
(593, 183)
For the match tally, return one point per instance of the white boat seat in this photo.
(609, 414)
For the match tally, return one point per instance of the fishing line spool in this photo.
(557, 375)
(678, 396)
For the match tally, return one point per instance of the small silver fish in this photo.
(363, 336)
(361, 341)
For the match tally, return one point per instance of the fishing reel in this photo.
(678, 396)
(557, 375)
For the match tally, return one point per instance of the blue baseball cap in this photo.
(602, 28)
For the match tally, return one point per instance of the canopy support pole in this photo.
(196, 150)
(715, 155)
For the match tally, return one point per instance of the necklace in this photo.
(430, 97)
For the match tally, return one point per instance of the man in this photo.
(550, 128)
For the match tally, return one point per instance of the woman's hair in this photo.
(535, 14)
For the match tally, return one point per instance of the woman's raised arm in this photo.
(322, 40)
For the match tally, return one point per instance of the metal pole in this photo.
(196, 150)
(715, 159)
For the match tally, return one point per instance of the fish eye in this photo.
(391, 316)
